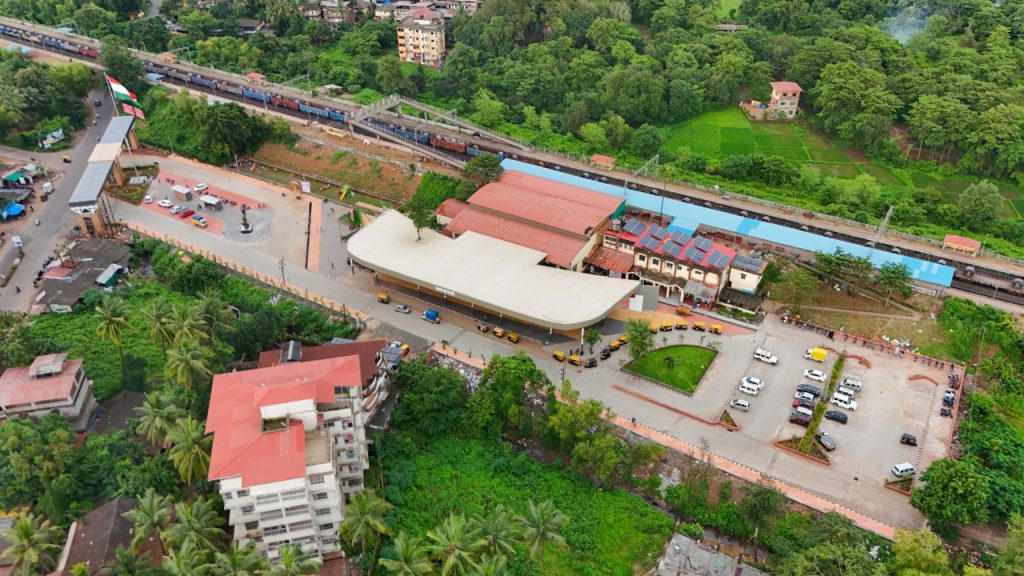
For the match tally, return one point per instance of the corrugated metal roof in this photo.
(117, 130)
(561, 249)
(690, 216)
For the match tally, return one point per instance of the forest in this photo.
(36, 99)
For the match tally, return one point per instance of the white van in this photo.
(904, 470)
(765, 356)
(844, 401)
(805, 411)
(200, 187)
(739, 404)
(852, 384)
(749, 389)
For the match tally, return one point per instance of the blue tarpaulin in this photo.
(13, 210)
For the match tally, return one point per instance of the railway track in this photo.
(970, 276)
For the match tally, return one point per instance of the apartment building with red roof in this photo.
(289, 447)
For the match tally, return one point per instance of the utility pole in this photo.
(881, 230)
(280, 265)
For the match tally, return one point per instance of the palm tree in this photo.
(455, 543)
(150, 517)
(490, 566)
(157, 416)
(188, 363)
(498, 529)
(112, 321)
(126, 563)
(185, 324)
(410, 557)
(213, 312)
(157, 313)
(190, 449)
(33, 544)
(184, 561)
(364, 517)
(542, 525)
(197, 528)
(245, 561)
(292, 561)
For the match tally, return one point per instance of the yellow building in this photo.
(421, 38)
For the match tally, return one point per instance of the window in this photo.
(323, 511)
(316, 479)
(743, 276)
(320, 496)
(243, 493)
(228, 496)
(669, 266)
(248, 509)
(641, 258)
(271, 515)
(252, 525)
(272, 530)
(655, 262)
(327, 526)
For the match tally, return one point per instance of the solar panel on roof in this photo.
(658, 232)
(649, 243)
(718, 260)
(693, 254)
(680, 238)
(634, 227)
(672, 249)
(747, 263)
(703, 243)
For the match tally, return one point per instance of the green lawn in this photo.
(882, 174)
(610, 532)
(726, 5)
(690, 363)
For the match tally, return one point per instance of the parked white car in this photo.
(165, 203)
(804, 396)
(812, 374)
(147, 199)
(755, 382)
(844, 401)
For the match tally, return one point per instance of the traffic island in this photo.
(814, 452)
(680, 368)
(903, 485)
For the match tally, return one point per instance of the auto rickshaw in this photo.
(666, 326)
(499, 331)
(623, 338)
(575, 360)
(66, 159)
(614, 345)
(404, 349)
(716, 329)
(513, 337)
(384, 298)
(653, 328)
(682, 325)
(700, 327)
(558, 355)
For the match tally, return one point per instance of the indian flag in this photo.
(122, 93)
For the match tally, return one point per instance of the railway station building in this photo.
(489, 275)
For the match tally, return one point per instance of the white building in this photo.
(288, 448)
(52, 383)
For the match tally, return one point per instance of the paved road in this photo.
(356, 292)
(55, 219)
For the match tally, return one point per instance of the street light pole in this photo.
(280, 265)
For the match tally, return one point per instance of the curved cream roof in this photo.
(488, 272)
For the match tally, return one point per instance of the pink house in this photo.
(785, 98)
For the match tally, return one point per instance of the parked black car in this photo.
(606, 353)
(908, 439)
(801, 419)
(810, 389)
(798, 402)
(837, 416)
(590, 362)
(827, 442)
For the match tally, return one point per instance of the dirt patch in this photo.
(833, 298)
(923, 332)
(381, 178)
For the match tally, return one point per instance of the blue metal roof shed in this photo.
(687, 217)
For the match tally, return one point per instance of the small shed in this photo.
(961, 244)
(255, 77)
(601, 161)
(108, 278)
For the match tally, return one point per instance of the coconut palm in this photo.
(190, 449)
(127, 563)
(157, 416)
(410, 557)
(184, 561)
(489, 566)
(213, 312)
(542, 525)
(157, 313)
(499, 529)
(188, 363)
(244, 561)
(34, 546)
(197, 527)
(185, 324)
(364, 517)
(112, 321)
(455, 544)
(292, 561)
(150, 517)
